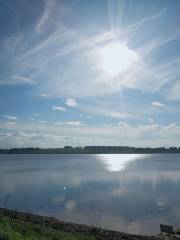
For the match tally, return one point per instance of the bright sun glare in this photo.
(116, 58)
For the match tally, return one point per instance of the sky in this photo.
(97, 72)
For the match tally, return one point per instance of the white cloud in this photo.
(58, 123)
(101, 110)
(150, 121)
(36, 114)
(172, 125)
(44, 95)
(21, 79)
(157, 104)
(42, 121)
(10, 123)
(49, 135)
(44, 19)
(174, 93)
(10, 117)
(88, 117)
(75, 123)
(71, 102)
(59, 108)
(123, 125)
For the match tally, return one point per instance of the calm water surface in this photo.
(127, 192)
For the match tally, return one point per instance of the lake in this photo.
(127, 192)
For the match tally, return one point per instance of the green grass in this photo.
(11, 229)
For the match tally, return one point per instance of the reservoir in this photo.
(133, 193)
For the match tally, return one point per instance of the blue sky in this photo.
(57, 85)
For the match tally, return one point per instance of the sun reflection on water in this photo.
(118, 162)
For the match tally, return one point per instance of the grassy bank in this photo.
(26, 226)
(14, 229)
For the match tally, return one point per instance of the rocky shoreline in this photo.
(100, 234)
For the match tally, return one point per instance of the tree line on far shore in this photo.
(89, 150)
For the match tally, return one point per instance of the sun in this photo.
(116, 58)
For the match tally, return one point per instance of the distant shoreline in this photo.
(90, 150)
